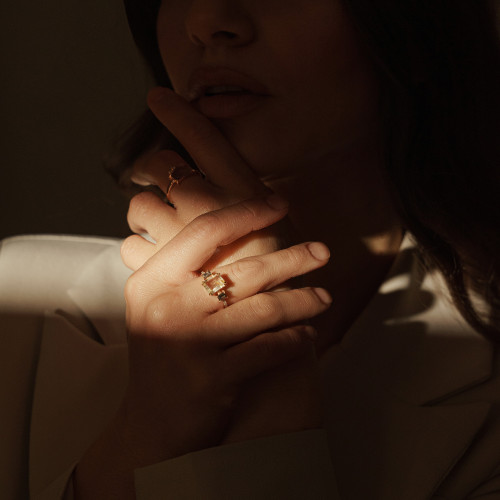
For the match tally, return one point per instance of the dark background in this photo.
(71, 80)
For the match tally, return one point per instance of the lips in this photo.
(224, 93)
(224, 89)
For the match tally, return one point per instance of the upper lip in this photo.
(204, 78)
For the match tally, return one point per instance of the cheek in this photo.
(332, 58)
(334, 85)
(314, 122)
(172, 40)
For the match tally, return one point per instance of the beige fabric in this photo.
(413, 392)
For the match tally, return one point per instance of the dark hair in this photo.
(439, 65)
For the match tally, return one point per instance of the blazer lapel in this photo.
(385, 448)
(82, 370)
(413, 340)
(408, 352)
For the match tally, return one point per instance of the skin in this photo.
(202, 375)
(313, 140)
(302, 52)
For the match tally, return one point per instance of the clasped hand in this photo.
(202, 374)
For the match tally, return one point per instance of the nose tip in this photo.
(217, 23)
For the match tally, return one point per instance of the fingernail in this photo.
(141, 180)
(276, 202)
(323, 295)
(319, 251)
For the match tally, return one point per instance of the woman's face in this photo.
(285, 80)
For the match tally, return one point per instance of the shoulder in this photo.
(54, 251)
(53, 245)
(38, 265)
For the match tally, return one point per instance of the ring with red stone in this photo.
(178, 174)
(214, 284)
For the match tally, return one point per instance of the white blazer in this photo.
(412, 392)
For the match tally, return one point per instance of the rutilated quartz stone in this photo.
(213, 282)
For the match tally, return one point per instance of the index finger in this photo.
(194, 245)
(210, 150)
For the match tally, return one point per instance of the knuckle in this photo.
(308, 302)
(266, 306)
(209, 219)
(295, 256)
(158, 317)
(206, 224)
(251, 209)
(140, 201)
(132, 289)
(249, 267)
(137, 290)
(140, 205)
(249, 206)
(306, 299)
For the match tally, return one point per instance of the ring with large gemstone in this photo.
(214, 284)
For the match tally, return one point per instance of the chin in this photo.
(264, 162)
(261, 154)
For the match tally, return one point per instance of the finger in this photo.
(210, 150)
(269, 350)
(193, 196)
(135, 251)
(148, 214)
(198, 241)
(251, 275)
(154, 169)
(265, 311)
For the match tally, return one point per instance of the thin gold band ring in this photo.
(176, 175)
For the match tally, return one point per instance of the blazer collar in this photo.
(385, 448)
(411, 339)
(407, 352)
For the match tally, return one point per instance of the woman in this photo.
(367, 118)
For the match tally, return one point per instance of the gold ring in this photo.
(214, 284)
(176, 175)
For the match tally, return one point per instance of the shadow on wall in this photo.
(71, 81)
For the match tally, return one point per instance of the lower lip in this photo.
(228, 106)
